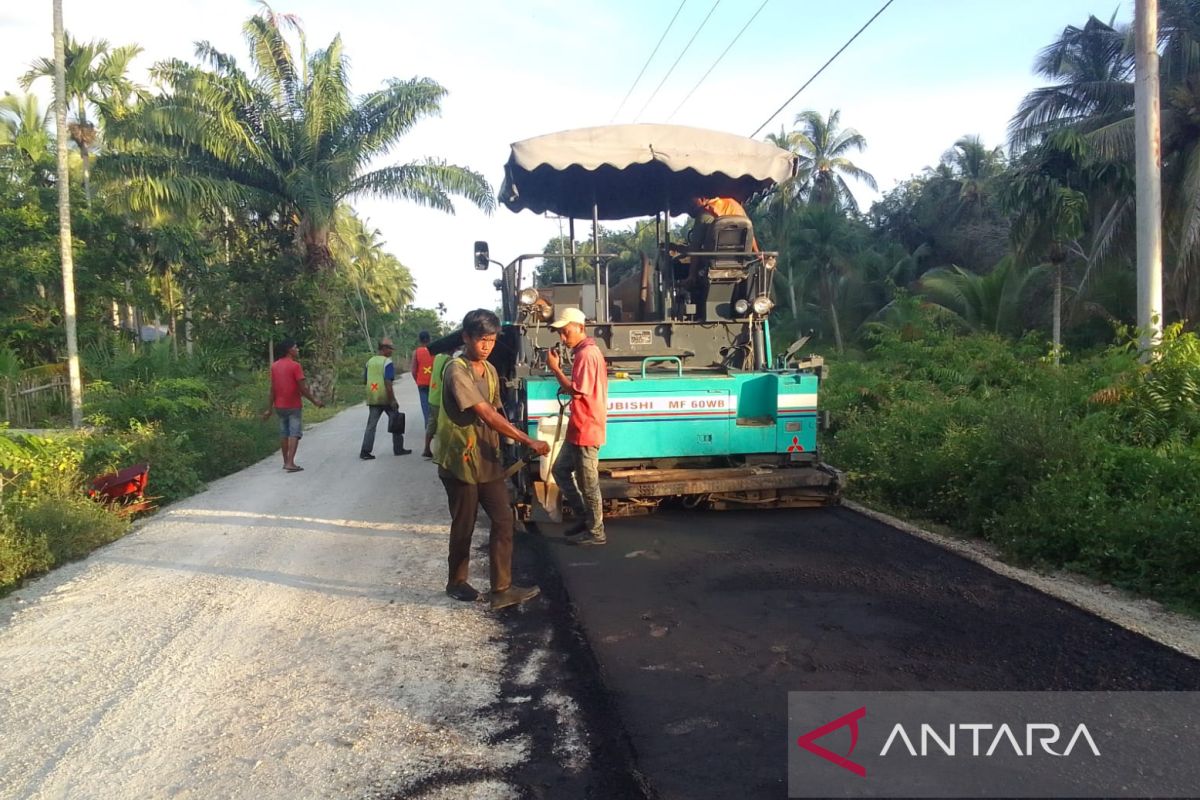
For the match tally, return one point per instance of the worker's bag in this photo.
(395, 421)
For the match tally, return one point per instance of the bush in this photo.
(1091, 465)
(71, 527)
(22, 552)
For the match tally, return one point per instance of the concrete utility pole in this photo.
(1149, 164)
(64, 218)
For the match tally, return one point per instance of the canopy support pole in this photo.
(571, 232)
(600, 312)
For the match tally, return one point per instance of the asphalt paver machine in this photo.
(700, 411)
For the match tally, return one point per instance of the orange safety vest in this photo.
(423, 372)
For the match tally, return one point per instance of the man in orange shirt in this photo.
(422, 372)
(287, 387)
(577, 468)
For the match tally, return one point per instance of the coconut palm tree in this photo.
(97, 80)
(288, 141)
(1093, 95)
(375, 275)
(1091, 70)
(25, 126)
(973, 167)
(824, 166)
(826, 243)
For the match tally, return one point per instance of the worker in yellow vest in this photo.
(378, 376)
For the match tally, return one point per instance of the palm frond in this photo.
(429, 183)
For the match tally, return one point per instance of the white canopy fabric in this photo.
(637, 170)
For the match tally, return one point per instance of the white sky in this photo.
(924, 74)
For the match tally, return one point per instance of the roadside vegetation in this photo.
(212, 219)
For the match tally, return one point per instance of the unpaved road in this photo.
(284, 636)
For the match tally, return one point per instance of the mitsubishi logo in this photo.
(808, 741)
(795, 446)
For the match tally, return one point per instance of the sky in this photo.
(924, 74)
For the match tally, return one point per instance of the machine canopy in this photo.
(637, 170)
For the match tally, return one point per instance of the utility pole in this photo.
(1148, 162)
(64, 219)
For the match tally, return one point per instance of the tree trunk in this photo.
(833, 314)
(169, 291)
(325, 300)
(187, 324)
(87, 172)
(1057, 314)
(64, 219)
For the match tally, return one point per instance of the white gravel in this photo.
(278, 636)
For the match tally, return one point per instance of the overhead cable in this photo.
(718, 61)
(648, 60)
(767, 121)
(672, 69)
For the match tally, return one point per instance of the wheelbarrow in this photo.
(125, 489)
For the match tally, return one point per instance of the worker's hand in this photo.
(266, 415)
(552, 359)
(541, 448)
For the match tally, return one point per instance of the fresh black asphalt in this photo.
(683, 636)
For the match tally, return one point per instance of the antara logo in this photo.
(1039, 737)
(808, 741)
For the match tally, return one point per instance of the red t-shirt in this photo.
(286, 375)
(589, 401)
(422, 366)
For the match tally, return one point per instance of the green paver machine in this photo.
(699, 409)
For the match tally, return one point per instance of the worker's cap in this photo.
(567, 316)
(386, 342)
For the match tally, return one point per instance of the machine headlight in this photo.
(762, 305)
(769, 262)
(527, 297)
(740, 307)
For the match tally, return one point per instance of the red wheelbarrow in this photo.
(125, 489)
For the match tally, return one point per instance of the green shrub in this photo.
(1091, 465)
(22, 552)
(71, 526)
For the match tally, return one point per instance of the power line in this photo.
(672, 69)
(648, 60)
(718, 61)
(822, 69)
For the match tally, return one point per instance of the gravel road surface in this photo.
(285, 636)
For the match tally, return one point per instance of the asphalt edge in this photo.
(609, 742)
(1140, 615)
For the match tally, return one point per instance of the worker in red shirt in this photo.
(577, 468)
(287, 387)
(422, 372)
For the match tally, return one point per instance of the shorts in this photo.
(289, 422)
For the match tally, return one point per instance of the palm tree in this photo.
(289, 142)
(826, 240)
(973, 169)
(1091, 70)
(64, 220)
(990, 303)
(96, 77)
(374, 274)
(824, 165)
(25, 126)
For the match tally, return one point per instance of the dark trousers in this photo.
(464, 500)
(368, 442)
